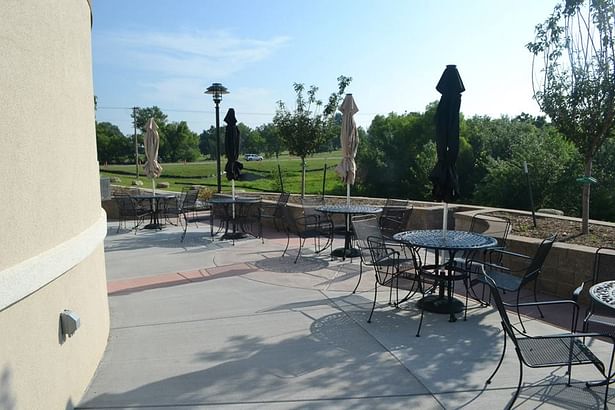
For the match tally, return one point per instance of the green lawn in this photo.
(257, 175)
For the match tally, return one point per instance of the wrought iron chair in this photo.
(512, 280)
(307, 227)
(389, 268)
(365, 226)
(599, 317)
(129, 209)
(556, 350)
(248, 217)
(497, 227)
(395, 216)
(185, 209)
(275, 212)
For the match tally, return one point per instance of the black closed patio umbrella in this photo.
(231, 146)
(444, 175)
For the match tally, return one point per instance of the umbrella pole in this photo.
(324, 178)
(233, 194)
(280, 175)
(347, 194)
(153, 187)
(445, 218)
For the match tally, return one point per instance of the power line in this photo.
(213, 112)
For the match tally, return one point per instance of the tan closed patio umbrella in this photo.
(151, 143)
(349, 139)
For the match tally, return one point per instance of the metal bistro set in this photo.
(428, 264)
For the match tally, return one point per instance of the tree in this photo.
(207, 142)
(273, 141)
(304, 130)
(111, 145)
(574, 55)
(144, 114)
(180, 144)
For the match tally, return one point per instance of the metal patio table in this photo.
(348, 211)
(445, 273)
(228, 204)
(154, 200)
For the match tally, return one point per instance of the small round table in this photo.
(154, 200)
(348, 211)
(229, 210)
(604, 293)
(452, 242)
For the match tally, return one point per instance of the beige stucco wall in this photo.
(51, 254)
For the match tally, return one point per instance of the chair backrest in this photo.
(125, 205)
(365, 226)
(495, 226)
(189, 198)
(278, 212)
(499, 304)
(604, 265)
(383, 260)
(396, 203)
(539, 258)
(290, 223)
(310, 203)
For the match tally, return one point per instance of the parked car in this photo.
(253, 157)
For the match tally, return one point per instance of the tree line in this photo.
(397, 152)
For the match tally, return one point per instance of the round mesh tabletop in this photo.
(604, 293)
(451, 240)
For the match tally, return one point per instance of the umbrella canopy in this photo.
(349, 139)
(231, 145)
(444, 175)
(151, 143)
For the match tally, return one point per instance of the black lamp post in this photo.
(216, 90)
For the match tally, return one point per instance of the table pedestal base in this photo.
(346, 253)
(153, 226)
(234, 235)
(437, 304)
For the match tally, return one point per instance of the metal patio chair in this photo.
(556, 350)
(307, 227)
(599, 317)
(389, 268)
(275, 212)
(130, 209)
(395, 216)
(512, 280)
(365, 226)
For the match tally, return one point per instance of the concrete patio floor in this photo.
(205, 324)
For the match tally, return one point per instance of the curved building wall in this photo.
(51, 253)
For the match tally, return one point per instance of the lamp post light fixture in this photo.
(217, 90)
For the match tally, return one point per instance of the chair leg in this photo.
(287, 243)
(499, 363)
(418, 331)
(518, 386)
(465, 312)
(360, 275)
(535, 300)
(519, 314)
(301, 243)
(369, 320)
(185, 227)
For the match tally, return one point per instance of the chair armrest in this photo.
(574, 304)
(503, 251)
(576, 335)
(390, 254)
(483, 264)
(577, 292)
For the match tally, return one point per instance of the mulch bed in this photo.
(567, 231)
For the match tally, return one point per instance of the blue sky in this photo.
(167, 52)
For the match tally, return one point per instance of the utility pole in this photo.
(134, 123)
